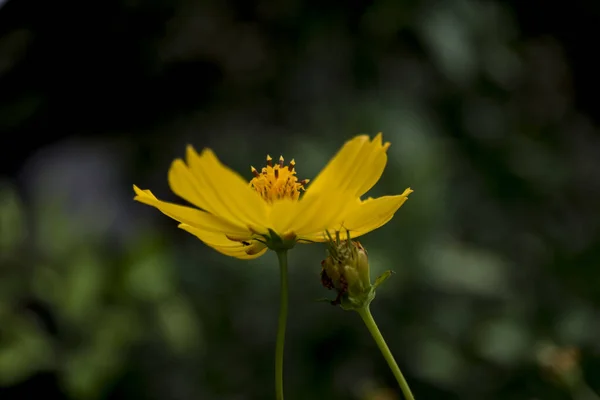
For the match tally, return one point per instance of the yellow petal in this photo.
(226, 246)
(227, 192)
(284, 212)
(310, 214)
(185, 185)
(375, 164)
(340, 165)
(315, 214)
(367, 216)
(356, 167)
(191, 216)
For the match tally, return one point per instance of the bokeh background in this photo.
(492, 111)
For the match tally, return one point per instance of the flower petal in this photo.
(191, 216)
(356, 167)
(228, 193)
(310, 214)
(283, 214)
(375, 163)
(185, 185)
(226, 246)
(367, 216)
(315, 214)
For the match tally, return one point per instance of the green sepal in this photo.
(277, 243)
(382, 278)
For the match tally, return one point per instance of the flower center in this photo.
(277, 181)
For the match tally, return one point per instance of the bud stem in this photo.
(283, 309)
(365, 314)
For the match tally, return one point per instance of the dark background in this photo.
(492, 113)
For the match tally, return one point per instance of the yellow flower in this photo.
(242, 219)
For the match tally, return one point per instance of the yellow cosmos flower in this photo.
(274, 209)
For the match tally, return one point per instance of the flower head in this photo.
(275, 209)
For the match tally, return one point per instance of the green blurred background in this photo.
(492, 113)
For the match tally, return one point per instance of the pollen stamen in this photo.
(277, 181)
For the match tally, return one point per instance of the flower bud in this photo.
(346, 270)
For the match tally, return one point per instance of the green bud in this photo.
(346, 270)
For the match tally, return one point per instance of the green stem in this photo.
(283, 309)
(366, 316)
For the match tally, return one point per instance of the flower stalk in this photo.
(367, 317)
(346, 269)
(281, 325)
